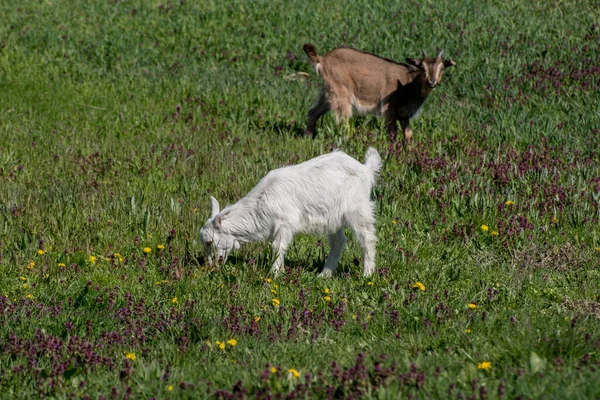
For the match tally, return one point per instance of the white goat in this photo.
(322, 195)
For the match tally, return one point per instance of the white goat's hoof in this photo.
(326, 273)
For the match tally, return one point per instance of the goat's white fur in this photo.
(322, 195)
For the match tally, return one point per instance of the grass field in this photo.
(118, 119)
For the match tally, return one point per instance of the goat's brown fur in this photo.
(358, 81)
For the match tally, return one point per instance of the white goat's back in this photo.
(320, 195)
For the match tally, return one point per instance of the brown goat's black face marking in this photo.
(433, 68)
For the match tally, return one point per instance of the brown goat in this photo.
(363, 82)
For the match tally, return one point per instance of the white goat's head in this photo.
(217, 242)
(433, 68)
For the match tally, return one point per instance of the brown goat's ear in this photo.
(449, 63)
(416, 62)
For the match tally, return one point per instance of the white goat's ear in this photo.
(236, 245)
(218, 221)
(215, 207)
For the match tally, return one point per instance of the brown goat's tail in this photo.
(311, 52)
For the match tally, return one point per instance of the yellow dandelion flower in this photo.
(93, 259)
(273, 291)
(394, 222)
(147, 250)
(174, 300)
(149, 236)
(61, 265)
(256, 319)
(486, 365)
(158, 283)
(554, 219)
(509, 202)
(327, 298)
(221, 345)
(24, 286)
(353, 316)
(275, 302)
(327, 291)
(494, 233)
(472, 306)
(41, 252)
(597, 248)
(232, 342)
(295, 374)
(47, 276)
(170, 388)
(467, 330)
(273, 370)
(29, 296)
(276, 286)
(419, 286)
(22, 278)
(160, 247)
(208, 343)
(31, 265)
(131, 356)
(370, 283)
(268, 280)
(484, 228)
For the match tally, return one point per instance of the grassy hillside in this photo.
(118, 119)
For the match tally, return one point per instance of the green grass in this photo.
(118, 119)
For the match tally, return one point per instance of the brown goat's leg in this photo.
(407, 131)
(392, 129)
(314, 114)
(342, 110)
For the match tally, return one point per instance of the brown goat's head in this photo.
(433, 68)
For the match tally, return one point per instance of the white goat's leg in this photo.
(337, 241)
(282, 240)
(365, 233)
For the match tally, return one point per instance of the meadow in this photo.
(118, 120)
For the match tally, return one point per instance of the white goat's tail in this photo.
(373, 161)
